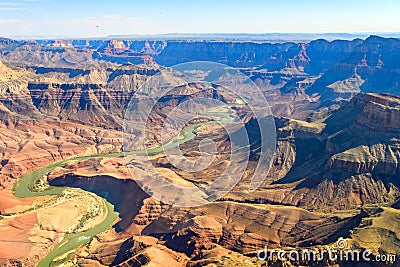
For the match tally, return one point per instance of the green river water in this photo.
(72, 241)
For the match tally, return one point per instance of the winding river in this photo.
(23, 186)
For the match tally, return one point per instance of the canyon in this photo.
(335, 171)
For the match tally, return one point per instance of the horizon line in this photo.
(354, 35)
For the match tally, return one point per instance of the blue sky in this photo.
(73, 18)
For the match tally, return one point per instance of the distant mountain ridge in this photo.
(261, 37)
(297, 77)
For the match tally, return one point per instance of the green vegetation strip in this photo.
(72, 241)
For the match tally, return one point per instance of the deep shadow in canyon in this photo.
(126, 196)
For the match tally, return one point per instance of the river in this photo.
(70, 242)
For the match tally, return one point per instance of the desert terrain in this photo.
(71, 195)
